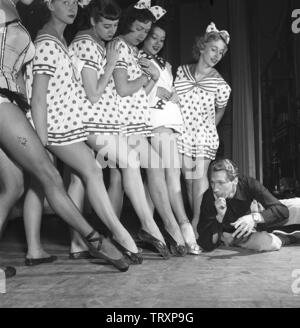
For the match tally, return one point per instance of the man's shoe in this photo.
(288, 234)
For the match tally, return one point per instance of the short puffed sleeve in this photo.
(222, 95)
(123, 56)
(87, 51)
(46, 57)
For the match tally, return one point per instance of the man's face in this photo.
(221, 185)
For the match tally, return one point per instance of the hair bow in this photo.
(224, 34)
(157, 11)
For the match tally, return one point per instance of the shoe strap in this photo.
(91, 239)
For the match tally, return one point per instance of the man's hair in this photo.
(107, 9)
(130, 15)
(224, 165)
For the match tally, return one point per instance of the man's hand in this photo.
(221, 207)
(244, 226)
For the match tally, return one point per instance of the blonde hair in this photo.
(201, 41)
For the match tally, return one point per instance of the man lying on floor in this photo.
(231, 214)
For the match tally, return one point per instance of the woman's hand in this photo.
(163, 94)
(149, 68)
(175, 98)
(112, 53)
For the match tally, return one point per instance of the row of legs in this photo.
(23, 147)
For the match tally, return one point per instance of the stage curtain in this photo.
(243, 148)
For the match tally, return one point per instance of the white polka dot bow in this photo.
(157, 11)
(224, 34)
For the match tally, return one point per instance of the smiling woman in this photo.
(203, 97)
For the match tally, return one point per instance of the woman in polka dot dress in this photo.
(167, 121)
(100, 110)
(62, 129)
(133, 84)
(22, 144)
(203, 97)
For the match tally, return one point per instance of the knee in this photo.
(13, 187)
(156, 175)
(50, 176)
(93, 172)
(115, 178)
(173, 178)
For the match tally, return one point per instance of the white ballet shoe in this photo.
(190, 239)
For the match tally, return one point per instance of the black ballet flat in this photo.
(43, 260)
(159, 246)
(83, 255)
(9, 272)
(135, 258)
(121, 264)
(175, 248)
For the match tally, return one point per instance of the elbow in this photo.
(93, 97)
(122, 92)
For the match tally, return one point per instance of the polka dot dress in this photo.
(134, 110)
(102, 117)
(199, 101)
(63, 114)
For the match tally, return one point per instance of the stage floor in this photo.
(223, 278)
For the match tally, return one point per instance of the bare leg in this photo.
(20, 142)
(81, 159)
(200, 185)
(132, 181)
(76, 192)
(11, 187)
(116, 191)
(151, 161)
(33, 212)
(165, 143)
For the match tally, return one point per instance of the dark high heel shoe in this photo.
(175, 248)
(135, 258)
(160, 246)
(97, 252)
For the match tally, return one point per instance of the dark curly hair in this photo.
(108, 9)
(201, 41)
(130, 15)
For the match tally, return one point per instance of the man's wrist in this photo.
(219, 218)
(257, 218)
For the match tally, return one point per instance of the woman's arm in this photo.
(39, 105)
(93, 86)
(124, 86)
(21, 83)
(219, 115)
